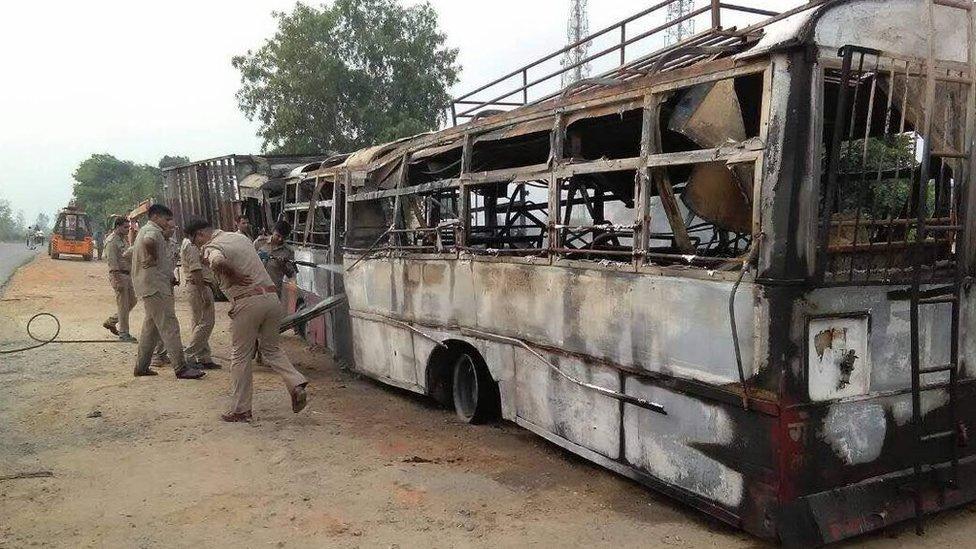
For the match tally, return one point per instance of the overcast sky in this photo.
(142, 79)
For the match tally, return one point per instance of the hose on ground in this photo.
(53, 339)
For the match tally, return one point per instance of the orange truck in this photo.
(72, 234)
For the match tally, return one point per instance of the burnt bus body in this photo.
(220, 189)
(736, 270)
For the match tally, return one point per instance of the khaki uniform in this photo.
(118, 255)
(278, 263)
(159, 353)
(201, 303)
(152, 281)
(255, 315)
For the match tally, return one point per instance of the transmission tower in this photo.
(684, 29)
(577, 29)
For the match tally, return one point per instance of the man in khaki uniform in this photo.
(199, 279)
(255, 314)
(152, 278)
(277, 256)
(243, 226)
(160, 358)
(118, 255)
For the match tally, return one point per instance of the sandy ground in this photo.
(363, 466)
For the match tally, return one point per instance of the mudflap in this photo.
(873, 504)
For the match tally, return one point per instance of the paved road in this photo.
(13, 255)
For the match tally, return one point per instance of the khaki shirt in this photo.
(190, 263)
(151, 276)
(279, 264)
(238, 252)
(118, 254)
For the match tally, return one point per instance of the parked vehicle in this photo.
(72, 234)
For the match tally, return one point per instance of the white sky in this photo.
(140, 80)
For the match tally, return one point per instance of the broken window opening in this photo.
(612, 137)
(431, 222)
(513, 152)
(508, 217)
(874, 149)
(597, 216)
(369, 221)
(437, 167)
(701, 213)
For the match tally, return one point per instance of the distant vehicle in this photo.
(72, 234)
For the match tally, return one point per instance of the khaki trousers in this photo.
(160, 324)
(125, 301)
(202, 307)
(257, 318)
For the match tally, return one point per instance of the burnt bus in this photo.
(220, 189)
(737, 269)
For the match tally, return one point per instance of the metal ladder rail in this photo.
(951, 295)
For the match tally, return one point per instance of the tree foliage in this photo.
(42, 222)
(171, 161)
(12, 225)
(347, 75)
(105, 185)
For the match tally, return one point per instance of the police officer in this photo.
(277, 256)
(255, 315)
(99, 243)
(199, 280)
(152, 278)
(243, 226)
(159, 357)
(118, 255)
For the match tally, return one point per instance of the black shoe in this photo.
(209, 366)
(299, 398)
(146, 373)
(110, 327)
(189, 373)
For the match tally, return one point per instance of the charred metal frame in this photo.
(792, 472)
(211, 189)
(693, 50)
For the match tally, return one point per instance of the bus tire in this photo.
(475, 392)
(87, 257)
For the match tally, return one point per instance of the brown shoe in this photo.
(299, 398)
(237, 417)
(110, 327)
(146, 373)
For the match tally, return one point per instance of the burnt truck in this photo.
(736, 268)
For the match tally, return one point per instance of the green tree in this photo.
(105, 185)
(43, 222)
(347, 75)
(12, 225)
(170, 161)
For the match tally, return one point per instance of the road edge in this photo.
(28, 259)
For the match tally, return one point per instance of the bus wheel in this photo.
(475, 392)
(87, 257)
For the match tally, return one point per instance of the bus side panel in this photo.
(566, 409)
(674, 326)
(385, 352)
(711, 449)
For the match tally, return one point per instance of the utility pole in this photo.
(684, 29)
(577, 29)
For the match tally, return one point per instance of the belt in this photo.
(118, 271)
(260, 290)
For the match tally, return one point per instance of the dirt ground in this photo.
(364, 466)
